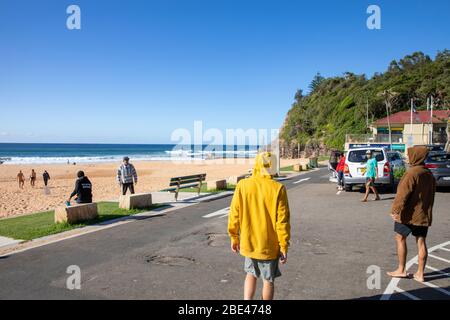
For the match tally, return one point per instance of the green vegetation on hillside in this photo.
(337, 106)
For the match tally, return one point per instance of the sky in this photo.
(138, 70)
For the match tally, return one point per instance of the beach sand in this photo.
(153, 176)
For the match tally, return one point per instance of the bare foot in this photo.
(364, 200)
(377, 199)
(397, 274)
(419, 278)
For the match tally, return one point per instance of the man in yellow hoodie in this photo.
(259, 226)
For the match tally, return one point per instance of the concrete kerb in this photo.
(24, 245)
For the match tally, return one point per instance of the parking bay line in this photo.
(301, 180)
(220, 213)
(393, 284)
(438, 258)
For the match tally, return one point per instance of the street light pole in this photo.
(431, 120)
(389, 120)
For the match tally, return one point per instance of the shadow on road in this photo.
(443, 189)
(425, 293)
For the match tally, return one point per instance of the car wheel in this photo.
(348, 187)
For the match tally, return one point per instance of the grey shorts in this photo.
(266, 269)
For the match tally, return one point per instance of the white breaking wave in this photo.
(172, 155)
(102, 159)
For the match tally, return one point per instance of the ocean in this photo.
(40, 153)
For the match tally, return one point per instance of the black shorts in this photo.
(406, 229)
(370, 182)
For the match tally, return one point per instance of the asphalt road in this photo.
(184, 255)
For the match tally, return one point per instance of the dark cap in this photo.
(126, 159)
(80, 174)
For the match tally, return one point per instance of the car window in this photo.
(442, 157)
(360, 155)
(394, 157)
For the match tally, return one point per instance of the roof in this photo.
(404, 117)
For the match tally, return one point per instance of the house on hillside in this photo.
(407, 129)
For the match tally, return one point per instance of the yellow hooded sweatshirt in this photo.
(259, 214)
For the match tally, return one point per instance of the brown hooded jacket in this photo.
(414, 201)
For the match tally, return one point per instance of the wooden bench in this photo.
(135, 201)
(76, 213)
(177, 183)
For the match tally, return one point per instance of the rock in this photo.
(135, 201)
(216, 184)
(76, 213)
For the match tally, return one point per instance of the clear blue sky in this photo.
(137, 70)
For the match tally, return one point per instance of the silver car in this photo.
(355, 168)
(395, 159)
(439, 164)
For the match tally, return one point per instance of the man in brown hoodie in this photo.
(412, 211)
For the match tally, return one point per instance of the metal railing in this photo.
(438, 138)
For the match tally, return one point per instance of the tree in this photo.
(298, 96)
(316, 81)
(336, 106)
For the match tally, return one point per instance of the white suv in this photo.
(355, 168)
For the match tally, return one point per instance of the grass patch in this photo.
(289, 168)
(230, 187)
(42, 224)
(324, 158)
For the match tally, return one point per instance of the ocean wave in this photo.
(170, 156)
(91, 159)
(68, 154)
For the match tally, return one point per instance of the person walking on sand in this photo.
(259, 226)
(83, 189)
(412, 211)
(33, 178)
(371, 175)
(127, 176)
(46, 177)
(21, 179)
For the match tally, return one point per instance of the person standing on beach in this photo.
(83, 189)
(21, 179)
(259, 226)
(46, 177)
(371, 175)
(412, 211)
(33, 178)
(127, 176)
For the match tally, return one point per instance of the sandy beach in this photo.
(153, 176)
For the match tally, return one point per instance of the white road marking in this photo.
(302, 180)
(222, 212)
(393, 285)
(431, 285)
(407, 294)
(445, 249)
(439, 258)
(437, 271)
